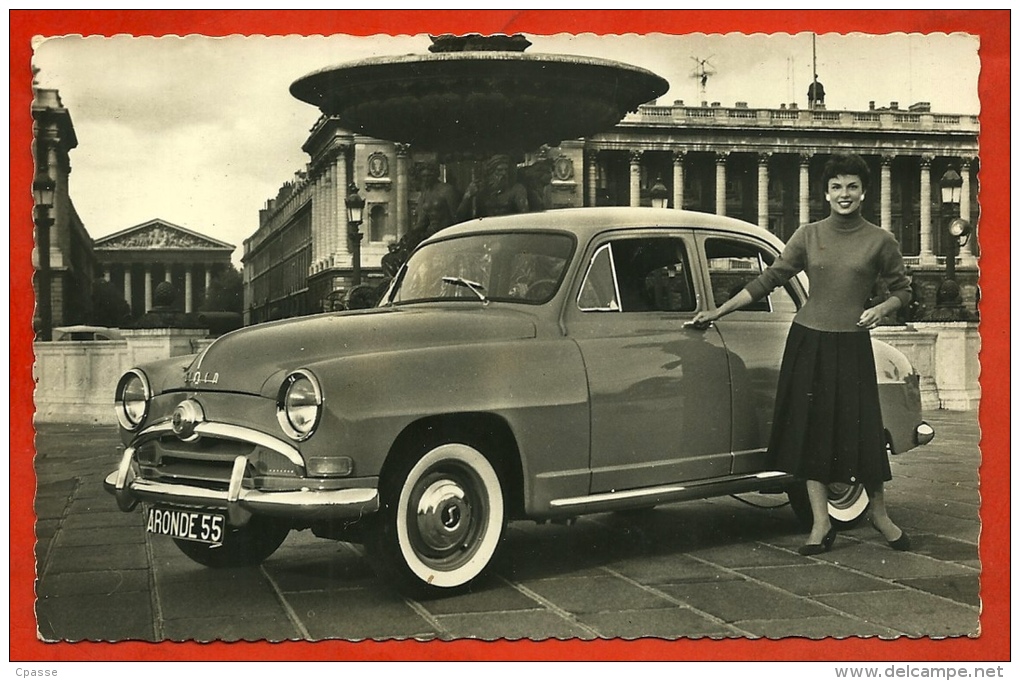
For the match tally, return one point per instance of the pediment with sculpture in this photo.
(158, 235)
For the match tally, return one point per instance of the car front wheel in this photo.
(441, 522)
(242, 546)
(848, 504)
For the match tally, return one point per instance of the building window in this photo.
(379, 227)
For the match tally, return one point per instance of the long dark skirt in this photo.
(828, 421)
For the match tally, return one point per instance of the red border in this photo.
(992, 26)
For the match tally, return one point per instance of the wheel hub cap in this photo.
(443, 517)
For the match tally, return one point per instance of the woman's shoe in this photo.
(815, 549)
(901, 544)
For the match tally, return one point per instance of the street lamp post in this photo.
(957, 232)
(43, 189)
(355, 216)
(659, 194)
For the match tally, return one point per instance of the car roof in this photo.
(587, 222)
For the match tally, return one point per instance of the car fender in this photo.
(537, 386)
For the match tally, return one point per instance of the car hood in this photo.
(243, 360)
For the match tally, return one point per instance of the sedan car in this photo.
(537, 367)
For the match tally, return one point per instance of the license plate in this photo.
(198, 526)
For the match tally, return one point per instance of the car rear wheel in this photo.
(242, 546)
(848, 504)
(441, 522)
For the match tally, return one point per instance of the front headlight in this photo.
(299, 405)
(132, 399)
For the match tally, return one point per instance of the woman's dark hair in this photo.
(846, 164)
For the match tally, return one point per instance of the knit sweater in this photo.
(844, 257)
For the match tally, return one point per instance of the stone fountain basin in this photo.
(478, 103)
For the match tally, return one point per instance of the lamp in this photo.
(952, 186)
(355, 216)
(659, 194)
(958, 230)
(43, 191)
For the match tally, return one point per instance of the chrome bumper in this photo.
(240, 503)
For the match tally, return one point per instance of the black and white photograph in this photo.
(507, 336)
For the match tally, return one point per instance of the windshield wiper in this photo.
(475, 287)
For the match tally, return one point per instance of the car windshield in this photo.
(505, 267)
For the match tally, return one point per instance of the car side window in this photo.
(644, 274)
(733, 264)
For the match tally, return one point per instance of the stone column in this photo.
(635, 178)
(926, 256)
(167, 273)
(127, 287)
(208, 278)
(804, 190)
(148, 287)
(188, 291)
(720, 182)
(763, 190)
(592, 177)
(886, 189)
(339, 228)
(968, 249)
(400, 214)
(678, 178)
(106, 273)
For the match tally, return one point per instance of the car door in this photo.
(754, 338)
(659, 391)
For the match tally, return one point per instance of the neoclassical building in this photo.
(135, 260)
(760, 165)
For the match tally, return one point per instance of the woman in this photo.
(828, 422)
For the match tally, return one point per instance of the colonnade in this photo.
(191, 300)
(884, 189)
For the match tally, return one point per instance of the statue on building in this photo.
(816, 95)
(499, 193)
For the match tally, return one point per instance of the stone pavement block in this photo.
(960, 588)
(100, 536)
(103, 582)
(87, 559)
(943, 548)
(670, 569)
(837, 626)
(736, 601)
(537, 625)
(107, 516)
(923, 520)
(239, 597)
(881, 561)
(318, 565)
(491, 595)
(113, 617)
(815, 579)
(914, 614)
(666, 623)
(596, 594)
(45, 529)
(50, 508)
(359, 614)
(747, 555)
(247, 628)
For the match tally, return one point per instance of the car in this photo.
(83, 332)
(528, 367)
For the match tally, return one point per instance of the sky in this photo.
(201, 132)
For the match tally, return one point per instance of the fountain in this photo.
(474, 96)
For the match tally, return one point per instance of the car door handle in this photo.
(698, 327)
